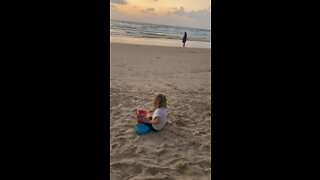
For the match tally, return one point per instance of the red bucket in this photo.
(141, 114)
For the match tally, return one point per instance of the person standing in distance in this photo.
(184, 39)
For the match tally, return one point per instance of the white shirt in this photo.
(162, 114)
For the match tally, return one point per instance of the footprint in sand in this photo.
(150, 171)
(160, 152)
(139, 150)
(113, 146)
(179, 123)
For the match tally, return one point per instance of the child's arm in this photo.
(155, 120)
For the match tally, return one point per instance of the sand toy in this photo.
(141, 129)
(141, 115)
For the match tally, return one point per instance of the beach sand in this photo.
(182, 150)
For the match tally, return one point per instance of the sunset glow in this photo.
(187, 13)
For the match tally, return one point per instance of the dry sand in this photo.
(182, 150)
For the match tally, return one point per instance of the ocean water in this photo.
(154, 34)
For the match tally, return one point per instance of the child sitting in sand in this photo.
(158, 119)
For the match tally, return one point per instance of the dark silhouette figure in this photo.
(184, 38)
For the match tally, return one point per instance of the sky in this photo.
(185, 13)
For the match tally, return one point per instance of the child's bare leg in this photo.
(149, 115)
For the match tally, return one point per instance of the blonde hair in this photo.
(160, 101)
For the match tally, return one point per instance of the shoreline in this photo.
(157, 46)
(159, 42)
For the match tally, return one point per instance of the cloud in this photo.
(180, 11)
(147, 10)
(202, 14)
(119, 1)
